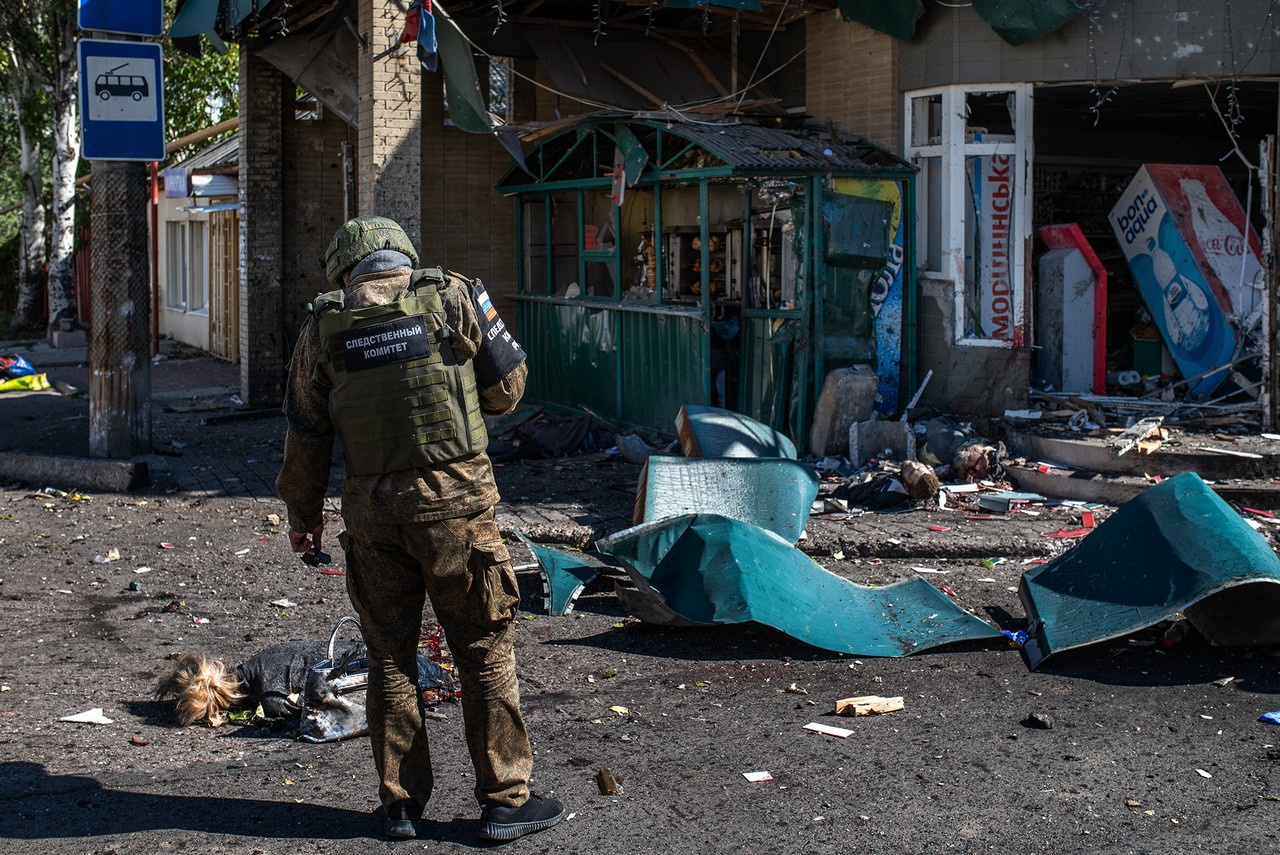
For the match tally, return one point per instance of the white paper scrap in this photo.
(818, 727)
(284, 603)
(756, 777)
(929, 570)
(93, 716)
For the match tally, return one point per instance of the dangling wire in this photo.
(706, 19)
(501, 13)
(1100, 97)
(1235, 112)
(598, 5)
(648, 16)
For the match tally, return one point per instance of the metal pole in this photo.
(119, 367)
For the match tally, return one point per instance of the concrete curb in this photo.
(86, 473)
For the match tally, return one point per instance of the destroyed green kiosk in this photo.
(730, 264)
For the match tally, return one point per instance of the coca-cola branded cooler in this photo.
(1195, 259)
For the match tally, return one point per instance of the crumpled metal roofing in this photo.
(749, 146)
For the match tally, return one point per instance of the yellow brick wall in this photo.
(851, 79)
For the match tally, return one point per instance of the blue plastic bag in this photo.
(1270, 717)
(16, 366)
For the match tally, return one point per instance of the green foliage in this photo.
(199, 91)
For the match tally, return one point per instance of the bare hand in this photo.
(306, 541)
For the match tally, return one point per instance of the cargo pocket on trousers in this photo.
(490, 566)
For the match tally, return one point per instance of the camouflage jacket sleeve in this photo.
(308, 444)
(503, 396)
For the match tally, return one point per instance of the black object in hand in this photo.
(316, 559)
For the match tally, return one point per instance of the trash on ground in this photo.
(93, 716)
(608, 783)
(868, 705)
(708, 568)
(564, 575)
(1177, 547)
(284, 603)
(140, 741)
(819, 727)
(1270, 717)
(757, 777)
(1037, 721)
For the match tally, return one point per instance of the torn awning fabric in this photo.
(709, 568)
(420, 28)
(1177, 547)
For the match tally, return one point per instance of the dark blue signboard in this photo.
(131, 17)
(121, 100)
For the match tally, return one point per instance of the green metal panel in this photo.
(662, 367)
(709, 568)
(573, 354)
(1176, 548)
(765, 368)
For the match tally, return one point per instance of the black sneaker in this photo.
(501, 822)
(398, 819)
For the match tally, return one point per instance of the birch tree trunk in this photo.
(28, 311)
(66, 158)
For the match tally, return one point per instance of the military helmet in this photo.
(359, 237)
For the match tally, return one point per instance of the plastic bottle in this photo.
(1185, 304)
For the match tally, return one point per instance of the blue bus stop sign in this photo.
(122, 100)
(131, 17)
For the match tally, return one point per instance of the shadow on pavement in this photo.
(51, 807)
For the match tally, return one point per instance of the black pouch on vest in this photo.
(500, 353)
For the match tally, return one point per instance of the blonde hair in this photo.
(203, 688)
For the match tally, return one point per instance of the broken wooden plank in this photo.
(1232, 452)
(1135, 434)
(868, 705)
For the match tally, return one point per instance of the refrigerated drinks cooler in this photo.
(1195, 259)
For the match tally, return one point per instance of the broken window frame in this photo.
(943, 203)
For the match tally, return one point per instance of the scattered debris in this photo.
(868, 705)
(140, 741)
(609, 784)
(93, 716)
(284, 603)
(757, 777)
(564, 575)
(819, 727)
(1037, 721)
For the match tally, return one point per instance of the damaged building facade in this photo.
(705, 202)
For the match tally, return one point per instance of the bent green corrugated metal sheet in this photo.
(564, 575)
(1176, 548)
(774, 494)
(714, 432)
(712, 569)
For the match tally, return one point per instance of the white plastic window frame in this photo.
(952, 151)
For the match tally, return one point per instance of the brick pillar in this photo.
(264, 101)
(390, 181)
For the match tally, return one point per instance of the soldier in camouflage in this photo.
(400, 364)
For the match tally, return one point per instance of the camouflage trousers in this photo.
(463, 566)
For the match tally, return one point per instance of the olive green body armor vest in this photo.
(400, 400)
